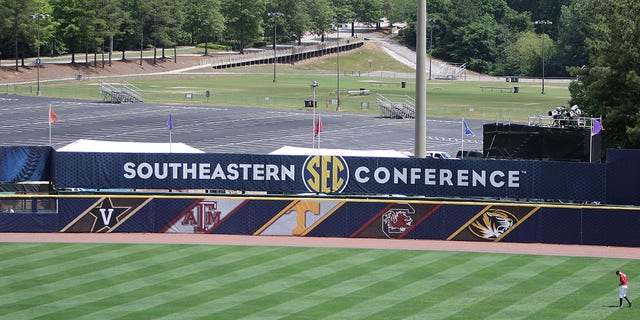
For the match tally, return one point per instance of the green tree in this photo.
(572, 34)
(164, 23)
(204, 21)
(131, 35)
(321, 14)
(343, 11)
(75, 27)
(244, 20)
(608, 87)
(295, 21)
(402, 10)
(23, 31)
(112, 17)
(523, 56)
(367, 11)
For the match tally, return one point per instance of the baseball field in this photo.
(91, 280)
(225, 281)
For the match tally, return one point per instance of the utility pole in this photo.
(542, 23)
(274, 16)
(38, 17)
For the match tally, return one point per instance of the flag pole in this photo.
(462, 134)
(49, 120)
(170, 126)
(319, 129)
(591, 143)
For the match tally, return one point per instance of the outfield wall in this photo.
(324, 217)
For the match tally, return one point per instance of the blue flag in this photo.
(467, 130)
(170, 123)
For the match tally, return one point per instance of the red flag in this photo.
(53, 117)
(318, 126)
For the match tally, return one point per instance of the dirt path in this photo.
(181, 238)
(63, 71)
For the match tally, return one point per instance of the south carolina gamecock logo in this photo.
(396, 221)
(493, 223)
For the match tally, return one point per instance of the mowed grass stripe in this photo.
(436, 294)
(354, 289)
(154, 276)
(26, 251)
(600, 296)
(387, 277)
(337, 281)
(55, 264)
(221, 300)
(204, 282)
(42, 255)
(73, 287)
(597, 297)
(546, 289)
(200, 284)
(432, 293)
(52, 278)
(504, 289)
(572, 292)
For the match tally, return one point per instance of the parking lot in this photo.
(218, 129)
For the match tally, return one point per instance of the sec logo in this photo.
(325, 174)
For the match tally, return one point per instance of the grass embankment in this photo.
(368, 68)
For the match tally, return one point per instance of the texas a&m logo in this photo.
(203, 216)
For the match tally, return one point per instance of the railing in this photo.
(396, 106)
(125, 93)
(452, 71)
(561, 122)
(291, 54)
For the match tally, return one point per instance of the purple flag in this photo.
(597, 127)
(170, 123)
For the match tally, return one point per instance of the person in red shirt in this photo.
(624, 281)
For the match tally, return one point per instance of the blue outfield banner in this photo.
(332, 175)
(383, 218)
(18, 164)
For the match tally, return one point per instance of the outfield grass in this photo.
(254, 86)
(118, 281)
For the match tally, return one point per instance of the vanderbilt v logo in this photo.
(106, 214)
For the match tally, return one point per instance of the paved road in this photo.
(222, 129)
(217, 129)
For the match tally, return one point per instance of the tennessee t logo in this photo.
(301, 209)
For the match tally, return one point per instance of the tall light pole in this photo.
(38, 17)
(542, 23)
(274, 16)
(338, 65)
(430, 25)
(420, 134)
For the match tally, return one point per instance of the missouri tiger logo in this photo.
(325, 174)
(493, 223)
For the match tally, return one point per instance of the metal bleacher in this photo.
(452, 71)
(396, 106)
(120, 93)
